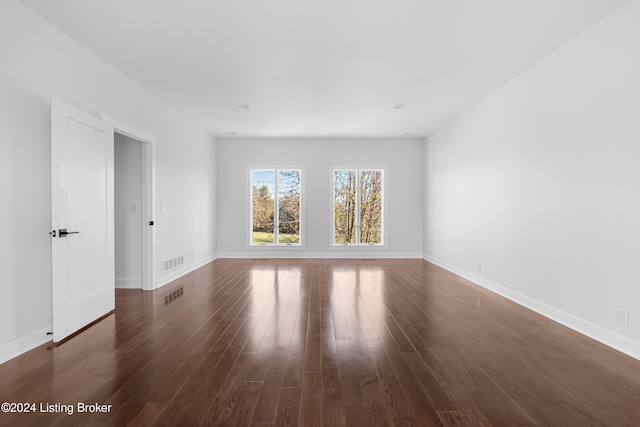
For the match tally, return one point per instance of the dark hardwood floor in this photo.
(324, 343)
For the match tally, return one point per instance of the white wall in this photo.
(40, 63)
(403, 159)
(128, 211)
(540, 183)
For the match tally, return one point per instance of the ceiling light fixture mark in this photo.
(398, 106)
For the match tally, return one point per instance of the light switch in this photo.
(163, 207)
(134, 207)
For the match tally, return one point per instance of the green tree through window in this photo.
(275, 206)
(357, 206)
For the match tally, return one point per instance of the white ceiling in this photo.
(322, 68)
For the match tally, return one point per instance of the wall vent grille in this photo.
(170, 264)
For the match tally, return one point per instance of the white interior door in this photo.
(82, 219)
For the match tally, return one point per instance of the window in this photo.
(276, 196)
(358, 207)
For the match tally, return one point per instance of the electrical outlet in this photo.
(622, 317)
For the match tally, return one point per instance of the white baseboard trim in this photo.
(22, 345)
(128, 283)
(325, 255)
(185, 270)
(598, 333)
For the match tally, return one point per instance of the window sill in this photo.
(358, 247)
(278, 247)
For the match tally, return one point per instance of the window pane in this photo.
(263, 206)
(344, 210)
(289, 206)
(370, 207)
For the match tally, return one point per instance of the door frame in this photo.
(148, 198)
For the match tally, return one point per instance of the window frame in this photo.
(357, 170)
(275, 170)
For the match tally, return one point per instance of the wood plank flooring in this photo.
(324, 343)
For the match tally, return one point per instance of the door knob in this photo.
(63, 232)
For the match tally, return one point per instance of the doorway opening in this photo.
(134, 207)
(127, 173)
